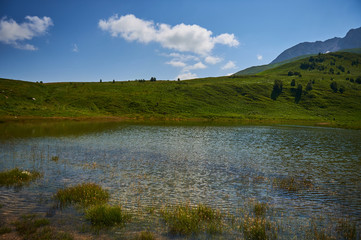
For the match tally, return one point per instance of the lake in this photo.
(150, 166)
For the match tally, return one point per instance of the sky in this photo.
(85, 41)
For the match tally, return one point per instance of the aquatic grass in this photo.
(84, 194)
(145, 235)
(186, 220)
(260, 209)
(107, 216)
(346, 229)
(31, 227)
(341, 228)
(17, 177)
(55, 158)
(29, 224)
(293, 184)
(4, 230)
(48, 233)
(258, 228)
(254, 224)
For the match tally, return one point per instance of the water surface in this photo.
(221, 166)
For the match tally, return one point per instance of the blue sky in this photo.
(59, 41)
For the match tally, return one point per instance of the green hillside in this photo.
(224, 98)
(257, 69)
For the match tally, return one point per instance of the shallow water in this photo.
(221, 166)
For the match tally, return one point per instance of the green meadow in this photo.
(229, 98)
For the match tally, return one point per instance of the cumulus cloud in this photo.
(14, 34)
(181, 37)
(175, 63)
(198, 65)
(229, 65)
(187, 75)
(212, 60)
(182, 57)
(259, 57)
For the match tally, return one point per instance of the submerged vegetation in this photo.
(85, 194)
(17, 177)
(34, 228)
(293, 184)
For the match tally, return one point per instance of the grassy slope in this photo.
(243, 97)
(257, 69)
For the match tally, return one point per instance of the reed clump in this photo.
(17, 177)
(85, 194)
(107, 216)
(145, 235)
(256, 225)
(186, 220)
(293, 184)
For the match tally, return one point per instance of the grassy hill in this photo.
(223, 98)
(257, 69)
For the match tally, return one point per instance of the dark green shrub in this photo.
(341, 89)
(277, 89)
(293, 83)
(333, 86)
(298, 94)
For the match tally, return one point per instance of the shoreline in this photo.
(178, 121)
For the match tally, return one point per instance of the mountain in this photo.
(351, 40)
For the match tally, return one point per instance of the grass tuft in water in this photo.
(48, 233)
(4, 230)
(187, 220)
(145, 235)
(346, 229)
(107, 216)
(17, 177)
(258, 228)
(55, 158)
(29, 224)
(255, 225)
(84, 194)
(293, 184)
(260, 209)
(33, 228)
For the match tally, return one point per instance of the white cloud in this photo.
(75, 48)
(259, 57)
(226, 39)
(175, 63)
(187, 75)
(212, 60)
(182, 57)
(229, 65)
(198, 65)
(181, 37)
(13, 33)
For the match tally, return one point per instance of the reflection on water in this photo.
(220, 166)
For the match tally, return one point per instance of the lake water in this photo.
(225, 167)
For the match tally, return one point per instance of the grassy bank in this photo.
(232, 99)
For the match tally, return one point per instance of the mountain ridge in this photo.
(351, 40)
